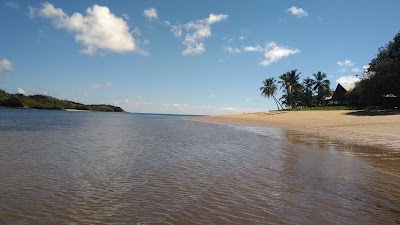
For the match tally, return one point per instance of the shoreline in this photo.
(365, 128)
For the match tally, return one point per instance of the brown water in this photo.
(64, 167)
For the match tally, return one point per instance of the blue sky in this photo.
(187, 57)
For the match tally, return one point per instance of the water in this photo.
(80, 167)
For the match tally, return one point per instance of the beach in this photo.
(369, 128)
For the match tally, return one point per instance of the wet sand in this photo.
(373, 128)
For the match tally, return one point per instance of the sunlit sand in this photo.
(355, 127)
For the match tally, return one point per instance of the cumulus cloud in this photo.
(348, 79)
(298, 12)
(196, 32)
(150, 14)
(272, 52)
(232, 50)
(6, 65)
(345, 63)
(98, 86)
(98, 29)
(21, 91)
(356, 70)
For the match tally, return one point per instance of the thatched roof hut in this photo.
(340, 91)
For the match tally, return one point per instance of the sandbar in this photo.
(369, 128)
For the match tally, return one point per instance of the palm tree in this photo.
(269, 90)
(286, 98)
(322, 86)
(290, 82)
(296, 87)
(308, 84)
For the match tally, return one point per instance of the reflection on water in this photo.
(63, 167)
(380, 158)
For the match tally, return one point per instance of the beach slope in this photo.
(376, 128)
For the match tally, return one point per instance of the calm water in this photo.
(68, 167)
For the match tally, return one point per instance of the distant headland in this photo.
(50, 103)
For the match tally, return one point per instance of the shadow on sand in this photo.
(270, 113)
(374, 113)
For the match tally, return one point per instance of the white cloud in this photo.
(196, 32)
(137, 100)
(298, 12)
(125, 16)
(13, 5)
(342, 70)
(98, 29)
(176, 30)
(143, 105)
(150, 14)
(232, 50)
(257, 48)
(272, 52)
(345, 63)
(242, 37)
(348, 79)
(212, 18)
(6, 65)
(21, 91)
(98, 86)
(356, 70)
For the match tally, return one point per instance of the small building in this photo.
(339, 95)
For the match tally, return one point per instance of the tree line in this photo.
(308, 93)
(379, 85)
(50, 103)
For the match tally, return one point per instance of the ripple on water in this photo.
(122, 168)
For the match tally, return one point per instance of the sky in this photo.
(185, 57)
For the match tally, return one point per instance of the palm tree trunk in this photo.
(277, 102)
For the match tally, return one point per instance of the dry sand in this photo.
(377, 128)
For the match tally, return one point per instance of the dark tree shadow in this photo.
(270, 113)
(387, 112)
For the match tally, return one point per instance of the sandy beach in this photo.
(354, 127)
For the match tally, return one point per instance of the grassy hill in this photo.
(48, 102)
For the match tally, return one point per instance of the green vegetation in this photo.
(308, 94)
(49, 103)
(269, 90)
(380, 83)
(340, 107)
(379, 87)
